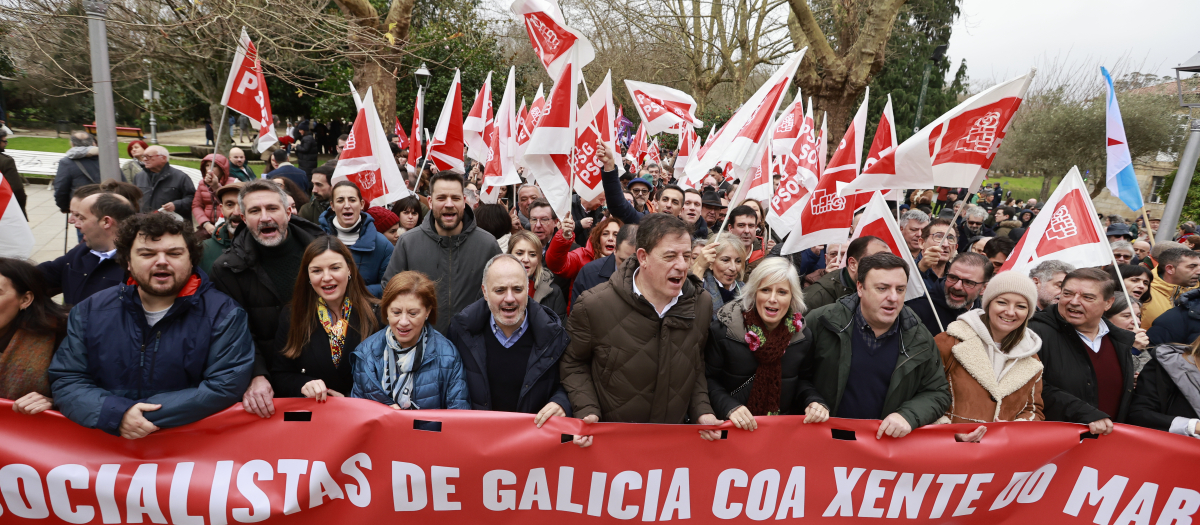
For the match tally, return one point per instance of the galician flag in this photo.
(1122, 182)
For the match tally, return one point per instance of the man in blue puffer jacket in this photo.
(164, 350)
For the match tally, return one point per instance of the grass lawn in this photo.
(1023, 188)
(54, 145)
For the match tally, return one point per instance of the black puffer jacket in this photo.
(1157, 401)
(731, 366)
(238, 274)
(1070, 392)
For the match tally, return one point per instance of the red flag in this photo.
(446, 145)
(17, 240)
(787, 126)
(528, 121)
(400, 134)
(800, 171)
(663, 108)
(478, 119)
(877, 220)
(246, 92)
(414, 150)
(638, 147)
(555, 43)
(549, 150)
(357, 162)
(598, 111)
(689, 143)
(1066, 230)
(849, 152)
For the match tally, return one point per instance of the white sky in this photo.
(1001, 39)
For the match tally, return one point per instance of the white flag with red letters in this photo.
(787, 126)
(663, 109)
(367, 159)
(1067, 229)
(501, 168)
(548, 154)
(555, 44)
(246, 92)
(800, 169)
(877, 220)
(599, 112)
(446, 145)
(477, 121)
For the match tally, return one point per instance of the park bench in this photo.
(121, 132)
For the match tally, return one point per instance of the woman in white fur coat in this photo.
(991, 358)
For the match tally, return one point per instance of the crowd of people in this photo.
(633, 307)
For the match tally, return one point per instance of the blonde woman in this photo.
(722, 266)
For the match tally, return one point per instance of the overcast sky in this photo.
(1001, 39)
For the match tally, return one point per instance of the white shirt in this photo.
(1094, 344)
(105, 255)
(661, 313)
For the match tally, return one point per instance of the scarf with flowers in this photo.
(768, 348)
(336, 331)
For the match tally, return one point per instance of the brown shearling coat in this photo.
(625, 364)
(973, 386)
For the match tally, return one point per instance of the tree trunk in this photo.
(371, 74)
(1047, 181)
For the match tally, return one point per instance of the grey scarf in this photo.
(1184, 374)
(398, 371)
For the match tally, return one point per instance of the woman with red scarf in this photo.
(758, 359)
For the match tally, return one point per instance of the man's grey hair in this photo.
(261, 185)
(1121, 245)
(81, 139)
(487, 267)
(975, 211)
(158, 150)
(915, 215)
(1045, 270)
(650, 165)
(534, 186)
(3, 133)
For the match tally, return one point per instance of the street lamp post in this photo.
(1187, 161)
(152, 97)
(422, 78)
(938, 53)
(106, 117)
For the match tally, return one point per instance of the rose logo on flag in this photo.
(350, 140)
(982, 134)
(1062, 225)
(786, 124)
(823, 202)
(549, 39)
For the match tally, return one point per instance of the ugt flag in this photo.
(246, 92)
(1121, 182)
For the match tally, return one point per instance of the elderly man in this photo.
(91, 265)
(1048, 277)
(259, 270)
(1122, 251)
(956, 293)
(838, 283)
(1177, 269)
(1141, 251)
(873, 358)
(640, 329)
(510, 346)
(526, 195)
(938, 243)
(238, 168)
(80, 167)
(199, 339)
(912, 223)
(163, 186)
(972, 226)
(543, 222)
(713, 209)
(1088, 372)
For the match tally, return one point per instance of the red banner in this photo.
(356, 461)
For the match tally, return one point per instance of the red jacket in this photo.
(564, 261)
(205, 207)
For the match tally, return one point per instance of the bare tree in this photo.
(379, 66)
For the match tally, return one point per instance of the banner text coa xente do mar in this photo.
(356, 461)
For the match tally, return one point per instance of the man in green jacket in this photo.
(232, 218)
(836, 283)
(873, 358)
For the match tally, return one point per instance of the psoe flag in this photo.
(1121, 182)
(1066, 230)
(17, 240)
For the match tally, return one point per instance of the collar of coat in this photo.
(972, 355)
(242, 253)
(685, 308)
(732, 317)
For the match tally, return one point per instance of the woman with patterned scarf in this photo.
(759, 351)
(330, 313)
(408, 365)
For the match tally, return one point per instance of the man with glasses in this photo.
(1122, 251)
(1088, 372)
(966, 277)
(8, 167)
(938, 242)
(164, 187)
(973, 225)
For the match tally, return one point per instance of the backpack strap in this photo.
(86, 173)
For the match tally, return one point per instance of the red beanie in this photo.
(384, 218)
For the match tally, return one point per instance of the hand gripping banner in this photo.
(356, 461)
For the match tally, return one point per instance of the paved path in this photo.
(46, 163)
(48, 224)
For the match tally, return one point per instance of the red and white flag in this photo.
(846, 158)
(599, 112)
(800, 175)
(823, 143)
(401, 135)
(1067, 229)
(414, 146)
(367, 159)
(555, 44)
(953, 151)
(500, 168)
(878, 220)
(652, 155)
(527, 121)
(446, 145)
(246, 92)
(689, 143)
(663, 109)
(885, 141)
(477, 121)
(787, 126)
(548, 155)
(17, 240)
(749, 128)
(756, 183)
(638, 147)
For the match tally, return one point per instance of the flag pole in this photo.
(217, 137)
(1148, 228)
(420, 172)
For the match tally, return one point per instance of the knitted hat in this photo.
(1010, 282)
(384, 218)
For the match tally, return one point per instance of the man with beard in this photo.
(912, 222)
(510, 346)
(1048, 277)
(321, 191)
(238, 168)
(258, 270)
(1088, 372)
(447, 247)
(713, 209)
(230, 220)
(972, 225)
(1176, 274)
(198, 337)
(956, 293)
(693, 208)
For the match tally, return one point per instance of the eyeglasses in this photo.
(967, 284)
(939, 237)
(1068, 295)
(1122, 257)
(541, 221)
(974, 223)
(639, 191)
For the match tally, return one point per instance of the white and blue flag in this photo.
(1121, 181)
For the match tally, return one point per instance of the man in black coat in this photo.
(80, 167)
(510, 346)
(952, 295)
(164, 186)
(283, 168)
(307, 149)
(91, 265)
(600, 270)
(1088, 371)
(8, 167)
(259, 271)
